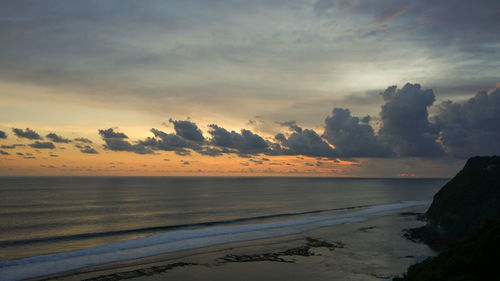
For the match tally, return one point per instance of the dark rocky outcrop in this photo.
(278, 256)
(464, 223)
(472, 196)
(476, 257)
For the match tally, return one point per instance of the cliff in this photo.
(464, 222)
(472, 196)
(474, 258)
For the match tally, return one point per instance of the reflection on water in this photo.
(54, 214)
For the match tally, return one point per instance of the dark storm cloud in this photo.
(56, 138)
(187, 130)
(244, 142)
(3, 135)
(82, 140)
(405, 122)
(27, 134)
(473, 127)
(303, 142)
(350, 137)
(115, 141)
(43, 145)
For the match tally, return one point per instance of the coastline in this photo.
(374, 249)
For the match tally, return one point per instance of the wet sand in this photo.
(370, 250)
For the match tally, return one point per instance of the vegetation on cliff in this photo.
(474, 258)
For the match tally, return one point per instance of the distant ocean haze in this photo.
(43, 215)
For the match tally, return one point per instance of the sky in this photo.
(334, 88)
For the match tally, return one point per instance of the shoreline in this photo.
(343, 248)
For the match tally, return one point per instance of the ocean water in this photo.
(54, 224)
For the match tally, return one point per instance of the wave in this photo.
(17, 242)
(183, 239)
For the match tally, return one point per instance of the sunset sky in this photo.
(362, 88)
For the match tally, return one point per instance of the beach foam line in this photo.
(17, 242)
(179, 240)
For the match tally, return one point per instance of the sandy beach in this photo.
(374, 249)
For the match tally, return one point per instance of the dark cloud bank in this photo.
(458, 130)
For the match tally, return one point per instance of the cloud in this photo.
(303, 142)
(43, 145)
(188, 130)
(473, 127)
(170, 142)
(12, 146)
(111, 134)
(244, 142)
(3, 135)
(3, 152)
(390, 13)
(27, 134)
(115, 141)
(56, 138)
(88, 149)
(350, 138)
(82, 140)
(405, 124)
(406, 130)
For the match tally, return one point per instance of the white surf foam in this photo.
(177, 241)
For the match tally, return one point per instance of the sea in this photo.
(54, 224)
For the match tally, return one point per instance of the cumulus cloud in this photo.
(303, 142)
(350, 137)
(405, 122)
(27, 134)
(116, 141)
(111, 134)
(3, 135)
(43, 145)
(244, 142)
(473, 127)
(406, 130)
(56, 138)
(188, 130)
(170, 142)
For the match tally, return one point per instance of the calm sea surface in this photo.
(41, 215)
